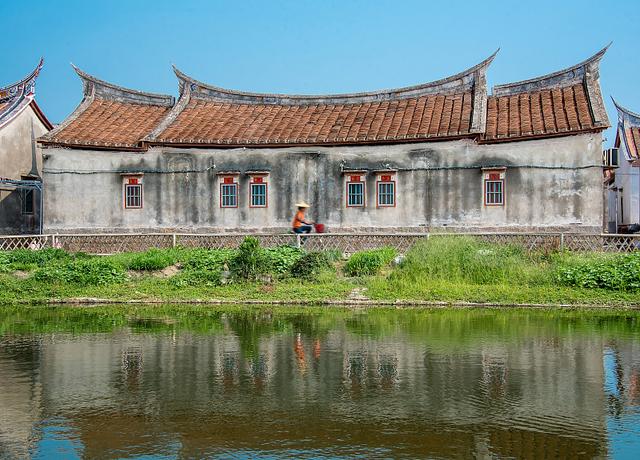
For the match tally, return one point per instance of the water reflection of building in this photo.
(146, 393)
(20, 395)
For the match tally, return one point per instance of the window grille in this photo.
(494, 192)
(133, 196)
(386, 193)
(229, 195)
(28, 205)
(259, 195)
(355, 194)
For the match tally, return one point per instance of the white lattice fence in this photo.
(530, 241)
(222, 240)
(345, 242)
(350, 243)
(112, 243)
(606, 243)
(9, 243)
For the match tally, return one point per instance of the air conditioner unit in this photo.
(610, 158)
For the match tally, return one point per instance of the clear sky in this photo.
(304, 46)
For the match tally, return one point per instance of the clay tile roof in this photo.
(629, 131)
(110, 116)
(561, 103)
(211, 115)
(17, 96)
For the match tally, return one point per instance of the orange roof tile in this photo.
(562, 103)
(110, 123)
(537, 114)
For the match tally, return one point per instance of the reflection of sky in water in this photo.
(623, 419)
(57, 441)
(327, 385)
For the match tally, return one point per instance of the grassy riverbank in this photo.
(443, 269)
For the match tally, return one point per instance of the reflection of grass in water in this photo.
(453, 327)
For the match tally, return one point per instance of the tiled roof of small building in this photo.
(17, 96)
(629, 131)
(566, 102)
(110, 116)
(561, 103)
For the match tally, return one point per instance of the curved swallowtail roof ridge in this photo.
(628, 130)
(555, 104)
(626, 115)
(452, 107)
(91, 125)
(461, 81)
(17, 96)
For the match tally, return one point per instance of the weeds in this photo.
(86, 272)
(367, 263)
(153, 259)
(311, 265)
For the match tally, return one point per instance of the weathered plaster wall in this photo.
(439, 186)
(20, 155)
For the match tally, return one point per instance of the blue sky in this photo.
(304, 46)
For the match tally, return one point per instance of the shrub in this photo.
(282, 258)
(197, 278)
(95, 271)
(4, 263)
(310, 265)
(250, 262)
(617, 272)
(208, 259)
(27, 259)
(153, 259)
(369, 262)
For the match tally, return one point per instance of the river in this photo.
(231, 382)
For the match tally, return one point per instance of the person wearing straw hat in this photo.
(300, 223)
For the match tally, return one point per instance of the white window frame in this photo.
(494, 187)
(362, 193)
(234, 186)
(392, 194)
(129, 200)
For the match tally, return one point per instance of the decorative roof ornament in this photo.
(15, 97)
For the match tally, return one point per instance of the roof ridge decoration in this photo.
(626, 115)
(95, 88)
(460, 81)
(586, 73)
(19, 95)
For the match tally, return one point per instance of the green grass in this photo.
(443, 269)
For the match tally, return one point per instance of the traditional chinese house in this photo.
(622, 176)
(445, 154)
(21, 123)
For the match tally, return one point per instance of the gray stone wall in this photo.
(551, 184)
(20, 155)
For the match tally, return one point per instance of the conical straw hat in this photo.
(302, 204)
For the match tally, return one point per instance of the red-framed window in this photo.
(494, 188)
(228, 192)
(133, 193)
(258, 192)
(356, 189)
(386, 191)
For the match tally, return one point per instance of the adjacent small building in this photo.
(622, 174)
(21, 124)
(441, 155)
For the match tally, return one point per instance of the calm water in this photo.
(193, 382)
